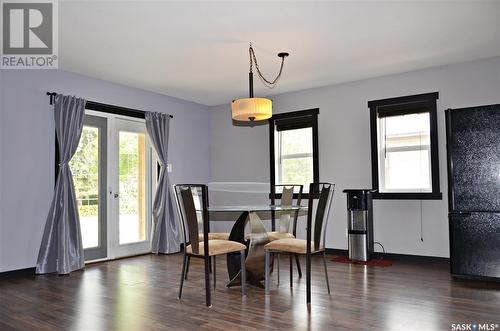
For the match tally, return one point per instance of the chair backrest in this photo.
(317, 231)
(192, 206)
(288, 193)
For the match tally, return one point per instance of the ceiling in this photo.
(198, 51)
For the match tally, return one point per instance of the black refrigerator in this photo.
(473, 148)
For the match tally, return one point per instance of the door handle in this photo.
(461, 214)
(116, 195)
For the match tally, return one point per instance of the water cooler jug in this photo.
(359, 223)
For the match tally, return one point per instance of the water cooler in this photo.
(360, 223)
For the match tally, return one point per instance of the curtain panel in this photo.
(166, 231)
(61, 249)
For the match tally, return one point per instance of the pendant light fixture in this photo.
(251, 108)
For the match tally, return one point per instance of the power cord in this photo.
(421, 223)
(383, 249)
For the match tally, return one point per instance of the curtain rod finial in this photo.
(51, 95)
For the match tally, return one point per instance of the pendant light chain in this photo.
(250, 51)
(268, 83)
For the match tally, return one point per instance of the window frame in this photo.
(309, 115)
(411, 104)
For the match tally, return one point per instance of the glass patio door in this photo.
(130, 188)
(89, 168)
(112, 176)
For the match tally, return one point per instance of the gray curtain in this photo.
(166, 231)
(61, 249)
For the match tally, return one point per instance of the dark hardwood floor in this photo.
(140, 294)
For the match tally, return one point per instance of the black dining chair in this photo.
(207, 248)
(211, 235)
(315, 238)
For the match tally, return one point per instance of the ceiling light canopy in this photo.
(255, 109)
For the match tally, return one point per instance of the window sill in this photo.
(408, 196)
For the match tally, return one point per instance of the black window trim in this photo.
(313, 113)
(391, 104)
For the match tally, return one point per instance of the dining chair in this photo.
(206, 248)
(315, 237)
(287, 226)
(211, 235)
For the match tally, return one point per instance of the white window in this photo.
(404, 153)
(294, 157)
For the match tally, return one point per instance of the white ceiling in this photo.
(198, 51)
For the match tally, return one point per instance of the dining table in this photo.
(255, 242)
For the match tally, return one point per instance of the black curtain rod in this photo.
(105, 108)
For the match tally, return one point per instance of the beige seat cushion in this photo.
(217, 247)
(290, 245)
(274, 235)
(215, 236)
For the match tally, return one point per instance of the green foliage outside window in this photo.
(85, 168)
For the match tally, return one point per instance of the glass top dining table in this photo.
(255, 240)
(255, 208)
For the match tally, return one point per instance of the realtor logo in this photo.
(29, 38)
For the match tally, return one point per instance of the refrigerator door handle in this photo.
(460, 213)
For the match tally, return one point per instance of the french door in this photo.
(130, 189)
(89, 168)
(112, 176)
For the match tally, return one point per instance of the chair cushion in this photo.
(215, 236)
(291, 245)
(274, 235)
(217, 247)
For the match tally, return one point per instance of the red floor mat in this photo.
(372, 262)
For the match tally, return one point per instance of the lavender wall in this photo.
(27, 148)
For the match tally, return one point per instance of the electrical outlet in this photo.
(169, 167)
